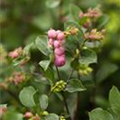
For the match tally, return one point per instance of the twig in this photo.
(66, 105)
(58, 73)
(70, 74)
(63, 95)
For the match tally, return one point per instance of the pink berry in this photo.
(52, 33)
(56, 44)
(60, 60)
(58, 31)
(59, 51)
(60, 36)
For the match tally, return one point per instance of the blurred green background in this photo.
(22, 20)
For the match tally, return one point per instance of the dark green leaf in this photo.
(49, 74)
(105, 70)
(74, 85)
(88, 56)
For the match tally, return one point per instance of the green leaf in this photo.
(49, 74)
(88, 56)
(102, 21)
(26, 96)
(41, 43)
(75, 64)
(73, 41)
(105, 70)
(114, 99)
(83, 20)
(100, 114)
(52, 116)
(74, 85)
(43, 102)
(44, 64)
(52, 3)
(10, 115)
(27, 48)
(75, 11)
(38, 21)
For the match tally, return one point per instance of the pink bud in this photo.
(60, 60)
(28, 115)
(56, 44)
(81, 15)
(59, 51)
(60, 36)
(13, 54)
(52, 33)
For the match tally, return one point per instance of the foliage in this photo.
(59, 57)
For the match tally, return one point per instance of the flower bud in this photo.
(28, 115)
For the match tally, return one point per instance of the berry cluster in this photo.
(59, 86)
(56, 41)
(94, 35)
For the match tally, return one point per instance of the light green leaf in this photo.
(105, 71)
(100, 114)
(27, 48)
(75, 11)
(74, 85)
(43, 102)
(52, 3)
(88, 56)
(26, 96)
(44, 64)
(114, 99)
(52, 116)
(10, 115)
(41, 44)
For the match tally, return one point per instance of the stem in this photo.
(63, 95)
(70, 74)
(66, 105)
(58, 73)
(76, 113)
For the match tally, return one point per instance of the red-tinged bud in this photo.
(28, 115)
